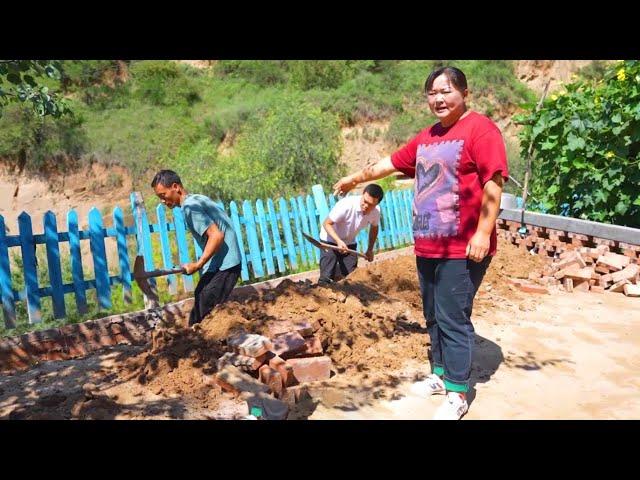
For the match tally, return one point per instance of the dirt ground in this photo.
(563, 355)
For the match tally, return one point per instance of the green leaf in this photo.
(621, 208)
(552, 190)
(52, 72)
(637, 201)
(14, 78)
(29, 79)
(579, 163)
(575, 143)
(616, 118)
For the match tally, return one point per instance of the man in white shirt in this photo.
(341, 227)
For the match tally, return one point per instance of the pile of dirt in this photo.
(371, 324)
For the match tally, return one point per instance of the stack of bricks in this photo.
(270, 371)
(549, 243)
(588, 270)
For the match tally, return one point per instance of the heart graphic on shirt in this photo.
(428, 178)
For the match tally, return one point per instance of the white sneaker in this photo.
(453, 408)
(432, 385)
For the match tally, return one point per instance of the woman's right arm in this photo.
(381, 169)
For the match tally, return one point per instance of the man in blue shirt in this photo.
(212, 229)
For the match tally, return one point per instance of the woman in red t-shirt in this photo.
(459, 165)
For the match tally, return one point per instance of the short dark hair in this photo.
(455, 76)
(375, 191)
(166, 178)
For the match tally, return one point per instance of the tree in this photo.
(18, 83)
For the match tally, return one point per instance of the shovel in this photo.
(142, 278)
(326, 246)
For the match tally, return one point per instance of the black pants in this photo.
(212, 289)
(334, 265)
(448, 287)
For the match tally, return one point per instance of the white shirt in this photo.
(348, 219)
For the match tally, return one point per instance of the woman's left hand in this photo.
(478, 246)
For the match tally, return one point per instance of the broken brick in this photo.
(596, 289)
(311, 369)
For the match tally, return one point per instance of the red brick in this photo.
(284, 369)
(619, 287)
(250, 345)
(272, 379)
(614, 261)
(631, 290)
(629, 246)
(311, 369)
(76, 347)
(279, 327)
(578, 236)
(303, 327)
(288, 344)
(241, 361)
(596, 289)
(604, 242)
(108, 340)
(534, 275)
(516, 281)
(602, 269)
(313, 347)
(530, 288)
(566, 271)
(574, 259)
(568, 284)
(233, 380)
(293, 395)
(628, 273)
(581, 285)
(581, 274)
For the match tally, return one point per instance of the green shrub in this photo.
(407, 125)
(295, 145)
(587, 147)
(325, 74)
(261, 72)
(163, 83)
(29, 141)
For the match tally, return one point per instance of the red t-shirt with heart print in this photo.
(451, 166)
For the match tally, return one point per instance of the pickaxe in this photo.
(142, 278)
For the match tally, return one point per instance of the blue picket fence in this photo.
(269, 236)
